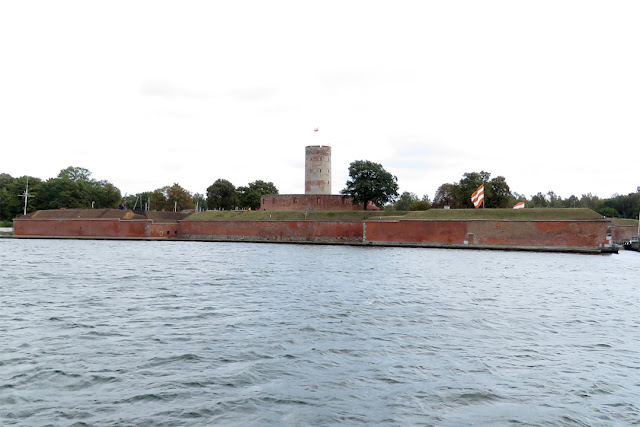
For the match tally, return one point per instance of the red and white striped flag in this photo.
(478, 197)
(519, 205)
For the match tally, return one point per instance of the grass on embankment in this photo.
(289, 215)
(624, 221)
(526, 214)
(460, 214)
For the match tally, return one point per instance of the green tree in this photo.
(370, 182)
(539, 201)
(421, 205)
(607, 211)
(468, 185)
(405, 201)
(222, 195)
(170, 198)
(74, 188)
(200, 202)
(554, 200)
(73, 173)
(5, 180)
(627, 206)
(589, 201)
(138, 201)
(158, 200)
(105, 195)
(570, 202)
(249, 196)
(56, 193)
(498, 194)
(446, 196)
(12, 203)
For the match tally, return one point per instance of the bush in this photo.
(608, 212)
(420, 206)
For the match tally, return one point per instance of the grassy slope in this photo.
(624, 221)
(290, 216)
(525, 214)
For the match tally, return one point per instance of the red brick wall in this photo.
(488, 232)
(588, 234)
(417, 231)
(623, 233)
(80, 228)
(316, 231)
(303, 202)
(168, 230)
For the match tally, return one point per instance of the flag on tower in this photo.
(477, 198)
(519, 205)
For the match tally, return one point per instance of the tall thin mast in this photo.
(26, 196)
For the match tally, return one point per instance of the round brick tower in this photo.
(317, 169)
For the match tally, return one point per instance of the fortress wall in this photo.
(166, 230)
(545, 235)
(590, 234)
(80, 228)
(623, 233)
(416, 231)
(287, 231)
(305, 202)
(540, 233)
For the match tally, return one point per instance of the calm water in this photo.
(190, 333)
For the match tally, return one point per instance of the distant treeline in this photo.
(499, 195)
(75, 188)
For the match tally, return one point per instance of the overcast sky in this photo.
(150, 93)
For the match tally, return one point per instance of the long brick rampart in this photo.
(578, 235)
(492, 233)
(275, 231)
(111, 227)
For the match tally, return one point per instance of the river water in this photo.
(195, 333)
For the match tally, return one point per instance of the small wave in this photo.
(477, 397)
(111, 333)
(284, 401)
(148, 397)
(158, 361)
